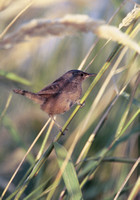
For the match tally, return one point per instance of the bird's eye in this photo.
(82, 74)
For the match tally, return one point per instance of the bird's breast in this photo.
(62, 102)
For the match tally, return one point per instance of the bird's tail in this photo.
(30, 95)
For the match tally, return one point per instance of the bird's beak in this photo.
(90, 74)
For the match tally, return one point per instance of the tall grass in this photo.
(98, 155)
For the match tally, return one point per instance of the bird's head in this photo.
(77, 75)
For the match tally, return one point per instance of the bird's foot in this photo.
(80, 104)
(63, 132)
(59, 127)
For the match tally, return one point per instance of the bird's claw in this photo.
(63, 132)
(81, 104)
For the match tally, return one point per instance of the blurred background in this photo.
(41, 60)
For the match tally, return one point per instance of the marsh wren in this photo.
(61, 95)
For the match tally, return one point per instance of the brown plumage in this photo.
(61, 95)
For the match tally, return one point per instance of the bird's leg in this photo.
(80, 104)
(58, 126)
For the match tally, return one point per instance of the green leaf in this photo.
(14, 77)
(68, 172)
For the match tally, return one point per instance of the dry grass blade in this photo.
(6, 106)
(43, 44)
(130, 16)
(15, 19)
(70, 24)
(4, 4)
(30, 148)
(127, 178)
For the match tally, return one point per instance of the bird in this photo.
(61, 95)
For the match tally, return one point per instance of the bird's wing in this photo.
(54, 88)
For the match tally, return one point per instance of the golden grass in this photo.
(108, 124)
